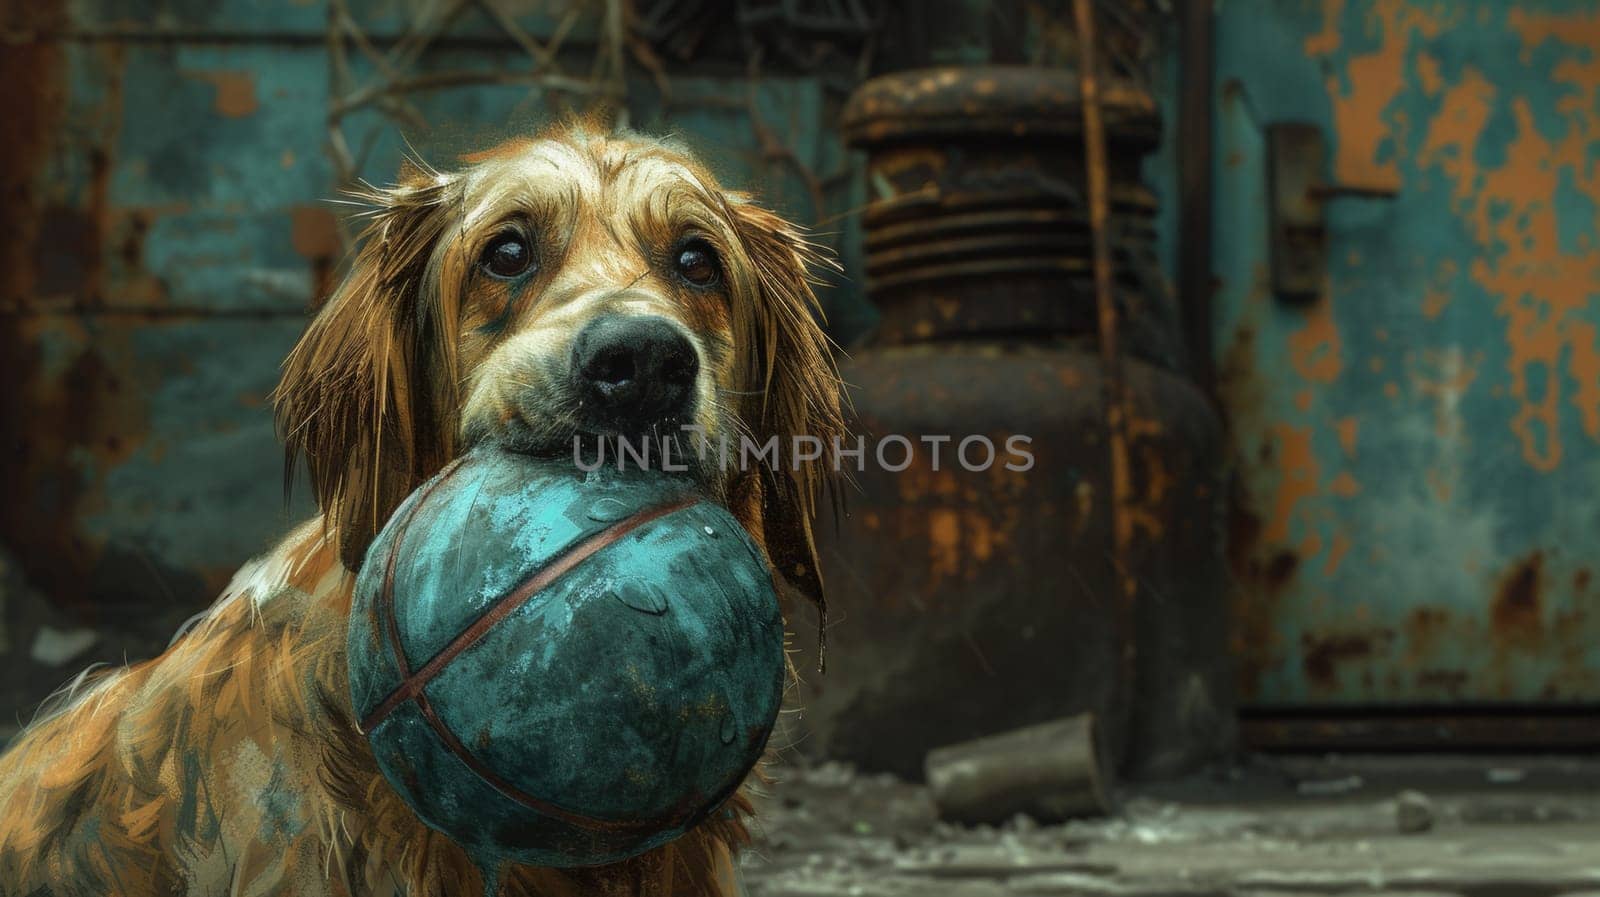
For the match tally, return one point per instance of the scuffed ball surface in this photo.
(563, 668)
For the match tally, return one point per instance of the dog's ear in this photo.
(367, 396)
(792, 385)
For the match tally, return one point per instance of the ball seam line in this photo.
(411, 689)
(385, 603)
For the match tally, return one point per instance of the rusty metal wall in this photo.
(165, 242)
(166, 172)
(1418, 445)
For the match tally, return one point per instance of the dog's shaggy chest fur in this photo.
(230, 764)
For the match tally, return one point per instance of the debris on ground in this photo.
(1050, 772)
(1329, 787)
(1413, 812)
(1249, 830)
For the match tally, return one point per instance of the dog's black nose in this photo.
(634, 371)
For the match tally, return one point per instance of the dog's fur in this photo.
(230, 764)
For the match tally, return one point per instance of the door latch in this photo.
(1298, 190)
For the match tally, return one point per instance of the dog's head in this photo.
(579, 285)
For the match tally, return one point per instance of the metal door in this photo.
(1419, 434)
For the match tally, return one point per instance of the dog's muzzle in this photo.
(633, 372)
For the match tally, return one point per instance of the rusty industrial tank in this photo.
(968, 600)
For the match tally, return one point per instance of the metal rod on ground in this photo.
(1053, 772)
(1094, 145)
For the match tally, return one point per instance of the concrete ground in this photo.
(1485, 826)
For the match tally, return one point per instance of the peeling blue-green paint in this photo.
(1417, 447)
(187, 228)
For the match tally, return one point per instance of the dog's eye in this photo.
(697, 263)
(507, 256)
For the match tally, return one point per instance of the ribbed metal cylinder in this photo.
(977, 222)
(970, 602)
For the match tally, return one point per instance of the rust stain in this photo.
(1344, 485)
(235, 92)
(60, 417)
(61, 271)
(1453, 134)
(36, 103)
(1255, 642)
(980, 541)
(1578, 29)
(1236, 373)
(1238, 378)
(82, 420)
(1516, 613)
(1436, 298)
(1360, 112)
(953, 517)
(1323, 655)
(1310, 547)
(1148, 507)
(1298, 479)
(1424, 627)
(1070, 378)
(1326, 41)
(1315, 348)
(1280, 570)
(1446, 683)
(130, 247)
(129, 230)
(1428, 73)
(1543, 286)
(1434, 303)
(1336, 553)
(1244, 534)
(1347, 429)
(1542, 291)
(314, 233)
(1158, 478)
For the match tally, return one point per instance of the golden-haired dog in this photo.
(488, 303)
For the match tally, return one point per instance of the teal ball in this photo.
(564, 668)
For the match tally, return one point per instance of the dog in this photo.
(576, 284)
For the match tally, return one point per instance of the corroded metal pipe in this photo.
(1052, 772)
(1096, 177)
